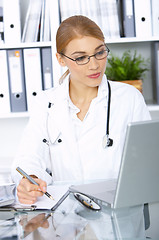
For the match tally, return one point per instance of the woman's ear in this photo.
(60, 60)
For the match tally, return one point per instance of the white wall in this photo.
(11, 130)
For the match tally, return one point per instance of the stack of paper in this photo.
(7, 194)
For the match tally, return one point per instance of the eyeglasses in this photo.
(85, 58)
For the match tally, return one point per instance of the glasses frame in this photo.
(94, 55)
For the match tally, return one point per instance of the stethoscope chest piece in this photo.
(107, 142)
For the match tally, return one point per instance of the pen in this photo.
(25, 175)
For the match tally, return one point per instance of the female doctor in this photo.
(76, 130)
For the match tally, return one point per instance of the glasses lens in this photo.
(101, 54)
(82, 60)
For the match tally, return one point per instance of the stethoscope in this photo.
(107, 141)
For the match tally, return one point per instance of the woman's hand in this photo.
(34, 223)
(28, 193)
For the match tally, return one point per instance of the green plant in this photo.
(128, 67)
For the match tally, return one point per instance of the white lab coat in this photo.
(71, 158)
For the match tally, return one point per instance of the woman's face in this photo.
(90, 74)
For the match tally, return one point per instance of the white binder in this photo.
(143, 18)
(4, 86)
(33, 78)
(155, 17)
(16, 80)
(12, 27)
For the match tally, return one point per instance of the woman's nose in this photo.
(93, 63)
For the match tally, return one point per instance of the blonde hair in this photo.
(75, 27)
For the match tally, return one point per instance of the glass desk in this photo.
(73, 221)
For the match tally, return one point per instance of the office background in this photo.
(143, 40)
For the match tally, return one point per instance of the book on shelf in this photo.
(32, 21)
(66, 8)
(104, 18)
(94, 11)
(45, 22)
(113, 19)
(103, 12)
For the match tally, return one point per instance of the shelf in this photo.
(131, 40)
(15, 115)
(25, 45)
(49, 44)
(153, 107)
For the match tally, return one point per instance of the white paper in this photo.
(44, 202)
(56, 192)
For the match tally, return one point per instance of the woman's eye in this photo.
(81, 59)
(100, 53)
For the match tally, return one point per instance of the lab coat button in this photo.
(59, 140)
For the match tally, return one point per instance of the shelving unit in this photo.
(12, 124)
(132, 40)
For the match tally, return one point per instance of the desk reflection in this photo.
(73, 221)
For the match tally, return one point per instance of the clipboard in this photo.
(44, 204)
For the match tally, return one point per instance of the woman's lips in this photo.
(95, 75)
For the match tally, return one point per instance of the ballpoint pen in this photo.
(25, 175)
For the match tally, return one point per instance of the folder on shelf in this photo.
(45, 31)
(155, 70)
(155, 17)
(66, 10)
(94, 12)
(33, 76)
(32, 22)
(143, 24)
(128, 18)
(104, 18)
(12, 26)
(16, 80)
(1, 23)
(4, 86)
(42, 21)
(47, 74)
(111, 10)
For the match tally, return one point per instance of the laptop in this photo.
(138, 177)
